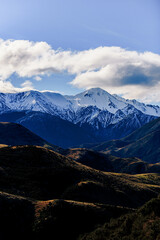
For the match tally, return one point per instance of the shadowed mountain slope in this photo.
(51, 128)
(143, 143)
(14, 134)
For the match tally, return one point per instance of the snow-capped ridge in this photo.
(145, 108)
(94, 106)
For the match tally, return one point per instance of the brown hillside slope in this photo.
(109, 163)
(144, 224)
(42, 174)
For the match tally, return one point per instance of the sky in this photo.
(71, 45)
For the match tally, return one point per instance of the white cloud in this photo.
(7, 87)
(37, 78)
(27, 85)
(133, 74)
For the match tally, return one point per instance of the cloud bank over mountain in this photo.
(130, 73)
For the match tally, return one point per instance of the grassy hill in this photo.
(24, 218)
(144, 224)
(90, 158)
(42, 174)
(66, 219)
(109, 163)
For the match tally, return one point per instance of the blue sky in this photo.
(83, 24)
(79, 25)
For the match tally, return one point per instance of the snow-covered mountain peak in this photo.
(96, 97)
(94, 92)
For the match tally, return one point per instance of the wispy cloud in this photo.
(37, 78)
(27, 85)
(130, 73)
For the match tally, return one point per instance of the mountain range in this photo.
(89, 117)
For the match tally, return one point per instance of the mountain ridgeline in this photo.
(68, 121)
